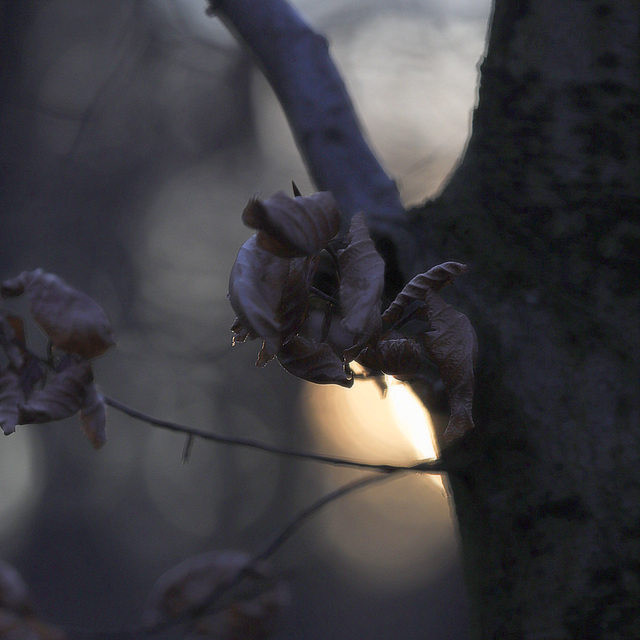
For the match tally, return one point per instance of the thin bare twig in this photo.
(423, 466)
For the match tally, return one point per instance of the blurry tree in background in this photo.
(114, 151)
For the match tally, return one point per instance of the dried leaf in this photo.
(315, 362)
(11, 397)
(63, 394)
(268, 294)
(299, 226)
(361, 281)
(434, 279)
(252, 597)
(452, 345)
(93, 417)
(397, 357)
(74, 322)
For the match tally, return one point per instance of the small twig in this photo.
(424, 466)
(312, 509)
(213, 602)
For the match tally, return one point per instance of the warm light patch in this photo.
(396, 534)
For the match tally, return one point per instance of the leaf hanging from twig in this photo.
(452, 345)
(434, 279)
(315, 362)
(74, 322)
(268, 294)
(63, 394)
(361, 282)
(396, 357)
(299, 226)
(450, 342)
(252, 597)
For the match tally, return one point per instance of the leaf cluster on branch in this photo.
(315, 302)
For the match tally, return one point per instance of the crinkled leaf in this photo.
(361, 281)
(11, 397)
(74, 322)
(268, 294)
(315, 362)
(252, 597)
(63, 394)
(434, 279)
(397, 357)
(93, 417)
(452, 345)
(299, 226)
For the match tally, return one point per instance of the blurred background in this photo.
(132, 134)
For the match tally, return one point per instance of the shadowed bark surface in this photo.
(545, 207)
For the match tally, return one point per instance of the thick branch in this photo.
(297, 64)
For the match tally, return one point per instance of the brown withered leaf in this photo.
(397, 356)
(11, 397)
(63, 394)
(93, 417)
(452, 345)
(252, 597)
(434, 279)
(73, 321)
(299, 226)
(361, 282)
(268, 294)
(315, 362)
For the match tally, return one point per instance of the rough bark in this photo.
(545, 207)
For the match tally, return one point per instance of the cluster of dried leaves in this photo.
(38, 390)
(315, 302)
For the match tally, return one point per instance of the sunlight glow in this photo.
(399, 533)
(412, 418)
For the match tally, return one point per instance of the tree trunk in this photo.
(546, 209)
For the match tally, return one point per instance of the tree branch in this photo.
(423, 466)
(296, 62)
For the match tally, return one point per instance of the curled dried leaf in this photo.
(433, 280)
(74, 322)
(452, 345)
(299, 226)
(252, 596)
(361, 282)
(314, 362)
(63, 394)
(400, 356)
(268, 294)
(93, 417)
